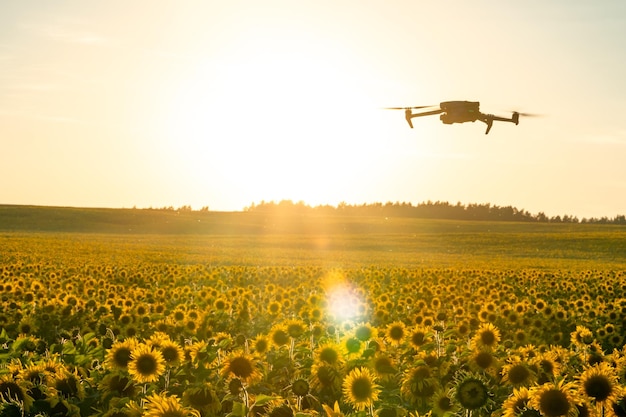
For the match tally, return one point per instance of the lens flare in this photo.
(343, 300)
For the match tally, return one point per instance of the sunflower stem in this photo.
(245, 396)
(438, 340)
(167, 377)
(144, 390)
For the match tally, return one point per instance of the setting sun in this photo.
(285, 114)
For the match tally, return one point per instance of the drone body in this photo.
(457, 112)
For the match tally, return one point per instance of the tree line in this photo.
(428, 210)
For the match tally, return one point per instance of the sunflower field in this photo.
(91, 328)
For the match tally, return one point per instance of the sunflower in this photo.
(365, 332)
(315, 313)
(167, 406)
(472, 392)
(332, 412)
(178, 315)
(146, 364)
(279, 336)
(486, 338)
(202, 397)
(52, 365)
(221, 304)
(118, 356)
(274, 308)
(300, 387)
(68, 385)
(418, 383)
(172, 352)
(199, 352)
(518, 373)
(516, 405)
(561, 355)
(317, 331)
(485, 361)
(117, 384)
(442, 403)
(352, 346)
(520, 337)
(27, 326)
(581, 337)
(463, 329)
(555, 399)
(25, 344)
(360, 389)
(157, 339)
(599, 383)
(383, 365)
(242, 366)
(615, 340)
(295, 328)
(234, 386)
(329, 353)
(35, 374)
(11, 391)
(419, 336)
(618, 408)
(279, 410)
(222, 340)
(548, 365)
(592, 354)
(619, 361)
(325, 377)
(395, 333)
(261, 344)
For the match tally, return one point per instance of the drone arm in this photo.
(427, 113)
(489, 118)
(502, 119)
(409, 115)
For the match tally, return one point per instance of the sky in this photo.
(229, 103)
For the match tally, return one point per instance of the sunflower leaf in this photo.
(239, 410)
(261, 399)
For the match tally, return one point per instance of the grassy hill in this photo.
(142, 221)
(102, 220)
(151, 221)
(377, 240)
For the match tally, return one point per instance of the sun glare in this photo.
(285, 122)
(343, 301)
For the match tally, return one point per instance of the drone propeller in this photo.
(527, 114)
(407, 108)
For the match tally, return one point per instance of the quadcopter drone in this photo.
(458, 112)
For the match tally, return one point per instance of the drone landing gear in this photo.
(489, 124)
(409, 114)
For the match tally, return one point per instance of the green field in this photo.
(243, 238)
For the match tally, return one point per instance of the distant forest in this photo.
(428, 210)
